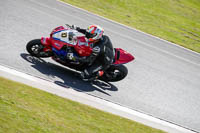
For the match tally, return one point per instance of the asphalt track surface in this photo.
(163, 80)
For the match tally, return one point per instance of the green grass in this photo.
(24, 109)
(177, 21)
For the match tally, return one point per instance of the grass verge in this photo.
(24, 109)
(177, 21)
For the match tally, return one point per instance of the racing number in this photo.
(64, 34)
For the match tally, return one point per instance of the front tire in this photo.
(35, 48)
(115, 73)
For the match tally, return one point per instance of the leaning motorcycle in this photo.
(67, 42)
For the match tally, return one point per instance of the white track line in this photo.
(90, 100)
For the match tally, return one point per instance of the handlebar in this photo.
(70, 26)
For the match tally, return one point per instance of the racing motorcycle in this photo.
(67, 42)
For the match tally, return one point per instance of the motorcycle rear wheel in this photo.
(115, 73)
(35, 48)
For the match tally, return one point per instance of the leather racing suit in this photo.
(101, 58)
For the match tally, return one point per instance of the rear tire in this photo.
(115, 73)
(35, 48)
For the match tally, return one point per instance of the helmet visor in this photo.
(89, 35)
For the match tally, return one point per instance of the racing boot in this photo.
(85, 76)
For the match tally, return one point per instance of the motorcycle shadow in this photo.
(70, 78)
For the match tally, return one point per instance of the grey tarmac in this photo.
(163, 80)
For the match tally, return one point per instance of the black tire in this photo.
(35, 48)
(115, 73)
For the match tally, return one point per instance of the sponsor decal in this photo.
(58, 45)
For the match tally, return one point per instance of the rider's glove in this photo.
(75, 27)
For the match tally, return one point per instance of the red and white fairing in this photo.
(60, 37)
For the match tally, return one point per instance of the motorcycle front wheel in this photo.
(35, 48)
(115, 73)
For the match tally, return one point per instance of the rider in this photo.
(102, 52)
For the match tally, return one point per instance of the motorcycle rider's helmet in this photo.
(94, 33)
